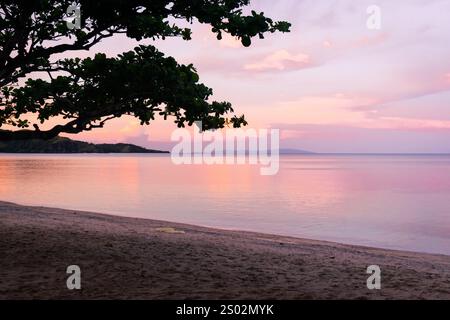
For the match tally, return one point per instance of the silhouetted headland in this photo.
(66, 145)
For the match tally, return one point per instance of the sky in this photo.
(331, 85)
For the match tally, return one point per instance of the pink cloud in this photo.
(327, 44)
(281, 60)
(447, 77)
(412, 124)
(353, 139)
(367, 40)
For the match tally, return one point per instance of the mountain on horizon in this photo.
(295, 151)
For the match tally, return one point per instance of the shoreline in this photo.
(134, 258)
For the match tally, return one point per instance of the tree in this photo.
(84, 94)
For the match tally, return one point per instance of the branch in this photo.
(75, 126)
(22, 61)
(9, 135)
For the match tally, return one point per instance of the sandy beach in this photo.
(126, 258)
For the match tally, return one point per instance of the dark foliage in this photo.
(144, 83)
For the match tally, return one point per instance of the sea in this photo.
(387, 201)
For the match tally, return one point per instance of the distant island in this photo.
(66, 145)
(295, 151)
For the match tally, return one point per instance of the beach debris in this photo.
(169, 230)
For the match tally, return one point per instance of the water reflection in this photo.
(388, 201)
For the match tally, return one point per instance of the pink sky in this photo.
(331, 85)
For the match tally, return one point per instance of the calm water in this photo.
(400, 202)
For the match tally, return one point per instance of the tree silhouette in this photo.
(144, 83)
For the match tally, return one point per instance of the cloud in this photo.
(427, 109)
(356, 89)
(320, 109)
(447, 78)
(413, 124)
(353, 139)
(281, 60)
(327, 44)
(370, 40)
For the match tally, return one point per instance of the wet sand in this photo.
(126, 258)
